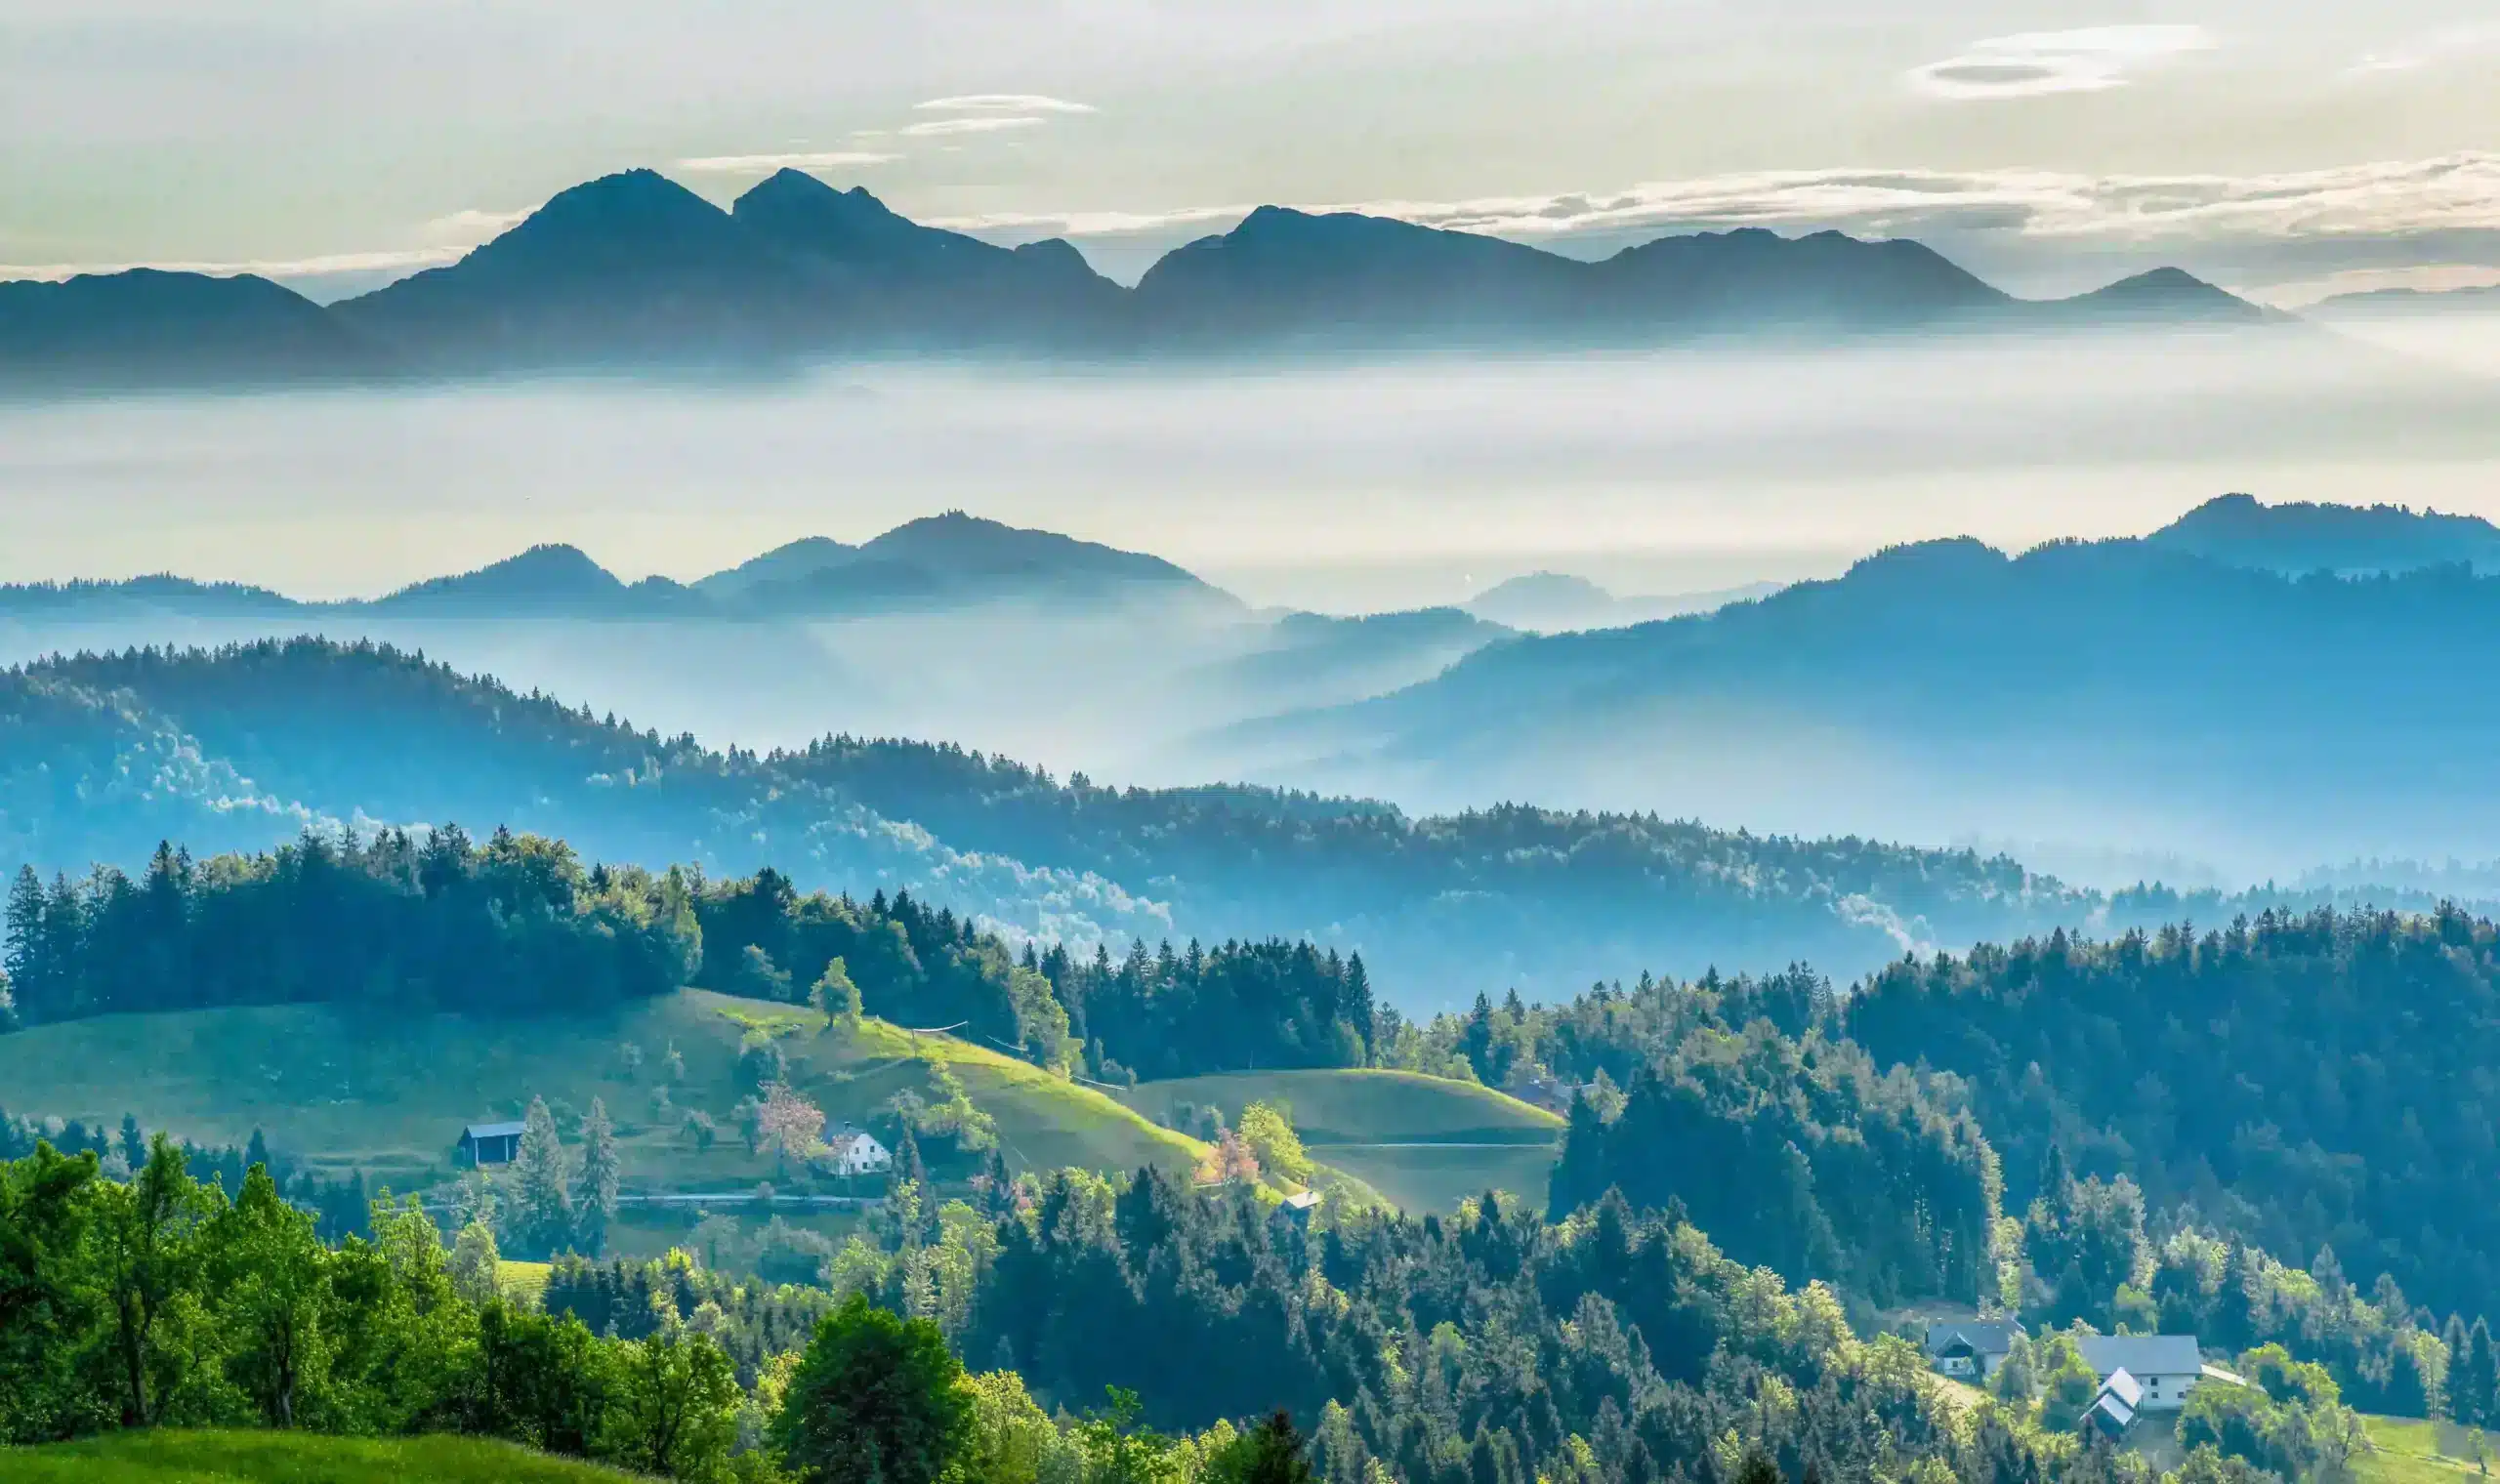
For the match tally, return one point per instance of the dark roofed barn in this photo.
(489, 1143)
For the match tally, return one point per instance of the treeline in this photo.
(339, 1204)
(403, 922)
(2299, 1081)
(397, 921)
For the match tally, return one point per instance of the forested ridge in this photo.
(2318, 1080)
(2295, 1081)
(102, 755)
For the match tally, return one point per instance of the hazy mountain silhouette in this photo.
(144, 326)
(956, 558)
(2164, 296)
(2374, 303)
(545, 579)
(1550, 602)
(2122, 692)
(626, 267)
(2301, 537)
(913, 283)
(632, 271)
(951, 559)
(803, 558)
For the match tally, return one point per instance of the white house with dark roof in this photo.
(2164, 1368)
(2115, 1406)
(855, 1151)
(1971, 1349)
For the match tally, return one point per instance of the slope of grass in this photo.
(1424, 1142)
(1345, 1106)
(388, 1095)
(2412, 1450)
(289, 1458)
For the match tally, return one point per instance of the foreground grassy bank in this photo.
(172, 1456)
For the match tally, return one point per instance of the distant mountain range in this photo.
(633, 271)
(1550, 602)
(950, 561)
(2184, 693)
(2378, 303)
(2301, 537)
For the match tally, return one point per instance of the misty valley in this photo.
(734, 836)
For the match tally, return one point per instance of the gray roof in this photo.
(492, 1130)
(1984, 1337)
(2120, 1384)
(2142, 1354)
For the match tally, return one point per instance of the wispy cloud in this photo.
(2037, 63)
(2428, 50)
(471, 226)
(2449, 192)
(986, 123)
(762, 164)
(1001, 102)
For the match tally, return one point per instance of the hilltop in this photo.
(2298, 536)
(947, 560)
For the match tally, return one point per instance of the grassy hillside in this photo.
(2412, 1450)
(1423, 1143)
(388, 1095)
(289, 1458)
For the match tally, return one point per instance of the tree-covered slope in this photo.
(2119, 695)
(101, 757)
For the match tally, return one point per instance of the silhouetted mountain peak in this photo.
(2299, 536)
(638, 211)
(798, 212)
(1544, 588)
(543, 576)
(792, 561)
(2168, 294)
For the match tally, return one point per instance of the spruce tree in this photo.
(542, 1215)
(595, 1193)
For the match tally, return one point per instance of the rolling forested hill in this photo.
(103, 757)
(2117, 695)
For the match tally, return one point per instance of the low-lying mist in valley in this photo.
(1377, 488)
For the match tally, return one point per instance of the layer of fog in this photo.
(1344, 489)
(1347, 488)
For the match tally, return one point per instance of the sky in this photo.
(2288, 149)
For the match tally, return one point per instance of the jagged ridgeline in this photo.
(633, 269)
(101, 756)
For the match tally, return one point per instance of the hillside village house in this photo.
(489, 1144)
(2162, 1367)
(855, 1151)
(1971, 1349)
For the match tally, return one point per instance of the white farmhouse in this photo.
(855, 1151)
(2165, 1367)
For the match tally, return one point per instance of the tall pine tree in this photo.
(541, 1212)
(595, 1193)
